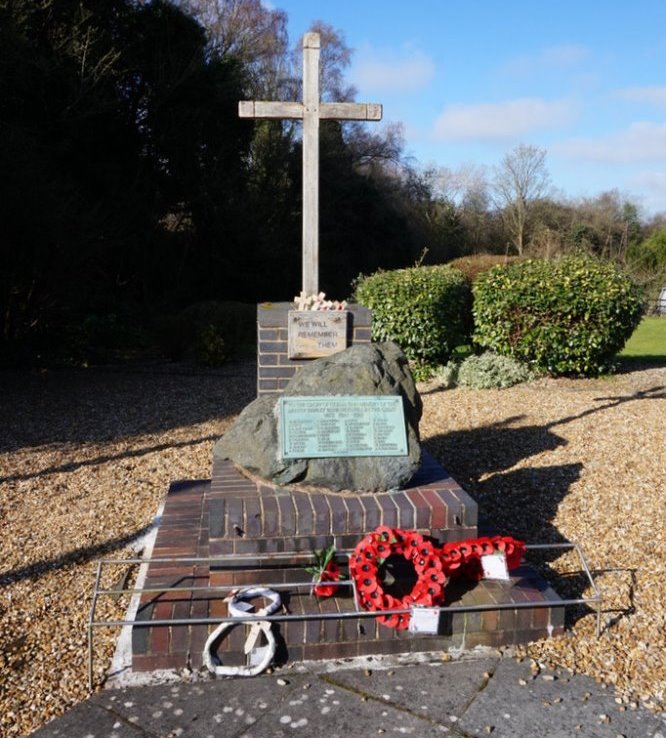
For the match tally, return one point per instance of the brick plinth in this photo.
(234, 515)
(253, 517)
(274, 367)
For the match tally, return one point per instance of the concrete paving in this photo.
(483, 694)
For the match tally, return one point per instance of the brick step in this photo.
(326, 636)
(233, 515)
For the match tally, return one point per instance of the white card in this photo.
(494, 566)
(424, 620)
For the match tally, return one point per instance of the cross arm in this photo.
(350, 111)
(263, 109)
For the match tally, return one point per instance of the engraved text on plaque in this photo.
(321, 427)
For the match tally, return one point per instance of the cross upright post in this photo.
(310, 111)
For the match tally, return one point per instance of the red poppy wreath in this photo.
(387, 549)
(396, 569)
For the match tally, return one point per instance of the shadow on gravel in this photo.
(524, 502)
(104, 458)
(77, 556)
(101, 405)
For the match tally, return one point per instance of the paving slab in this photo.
(553, 704)
(337, 712)
(90, 720)
(479, 695)
(439, 691)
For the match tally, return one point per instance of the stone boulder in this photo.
(365, 369)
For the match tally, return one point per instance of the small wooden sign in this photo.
(316, 427)
(315, 333)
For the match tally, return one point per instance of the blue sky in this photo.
(469, 80)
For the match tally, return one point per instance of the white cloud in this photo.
(560, 57)
(407, 74)
(646, 180)
(652, 95)
(503, 120)
(641, 141)
(652, 186)
(567, 55)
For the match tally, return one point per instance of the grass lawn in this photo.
(647, 343)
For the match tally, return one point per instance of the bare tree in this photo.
(254, 34)
(519, 180)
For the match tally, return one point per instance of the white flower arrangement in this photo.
(317, 302)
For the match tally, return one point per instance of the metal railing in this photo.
(245, 562)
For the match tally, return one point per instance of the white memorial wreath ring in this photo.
(240, 609)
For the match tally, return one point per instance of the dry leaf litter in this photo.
(86, 457)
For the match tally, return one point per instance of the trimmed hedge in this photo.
(567, 317)
(425, 310)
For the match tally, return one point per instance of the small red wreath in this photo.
(433, 567)
(372, 552)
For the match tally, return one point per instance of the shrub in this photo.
(425, 310)
(209, 346)
(236, 322)
(446, 375)
(490, 370)
(210, 332)
(565, 317)
(646, 262)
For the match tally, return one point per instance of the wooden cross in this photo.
(310, 111)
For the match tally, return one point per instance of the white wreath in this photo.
(239, 609)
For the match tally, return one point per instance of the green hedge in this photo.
(425, 310)
(567, 317)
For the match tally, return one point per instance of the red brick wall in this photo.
(274, 367)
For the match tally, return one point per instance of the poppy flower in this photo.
(396, 621)
(367, 584)
(434, 574)
(403, 622)
(331, 574)
(422, 564)
(384, 533)
(391, 603)
(486, 546)
(367, 569)
(412, 541)
(451, 559)
(465, 550)
(420, 595)
(383, 550)
(325, 570)
(499, 543)
(424, 558)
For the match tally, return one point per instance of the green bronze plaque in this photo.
(350, 425)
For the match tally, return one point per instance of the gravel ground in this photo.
(86, 457)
